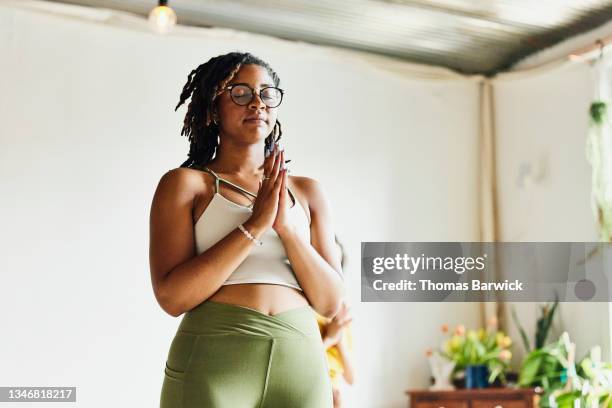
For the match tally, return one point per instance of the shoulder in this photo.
(183, 182)
(312, 190)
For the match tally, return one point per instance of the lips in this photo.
(255, 118)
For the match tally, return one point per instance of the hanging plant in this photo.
(598, 155)
(598, 112)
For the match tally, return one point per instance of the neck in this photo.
(243, 160)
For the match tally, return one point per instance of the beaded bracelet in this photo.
(248, 234)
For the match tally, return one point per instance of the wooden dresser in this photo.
(474, 398)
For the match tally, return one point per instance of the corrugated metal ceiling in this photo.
(469, 36)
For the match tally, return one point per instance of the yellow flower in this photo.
(455, 343)
(472, 335)
(448, 347)
(506, 342)
(505, 355)
(481, 334)
(499, 338)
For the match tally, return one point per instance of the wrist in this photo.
(286, 232)
(328, 342)
(254, 228)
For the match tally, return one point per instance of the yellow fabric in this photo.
(334, 360)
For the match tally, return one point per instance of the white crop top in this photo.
(264, 264)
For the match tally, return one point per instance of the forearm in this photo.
(347, 362)
(194, 281)
(321, 283)
(328, 342)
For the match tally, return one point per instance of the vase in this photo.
(476, 376)
(441, 369)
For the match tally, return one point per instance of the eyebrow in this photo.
(262, 85)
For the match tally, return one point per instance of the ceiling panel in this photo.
(469, 36)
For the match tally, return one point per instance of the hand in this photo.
(265, 206)
(333, 329)
(281, 222)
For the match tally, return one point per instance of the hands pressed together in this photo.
(272, 203)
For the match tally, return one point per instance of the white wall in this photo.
(87, 128)
(543, 119)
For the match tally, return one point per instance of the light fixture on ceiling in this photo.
(162, 18)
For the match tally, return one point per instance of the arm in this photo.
(316, 263)
(181, 280)
(347, 362)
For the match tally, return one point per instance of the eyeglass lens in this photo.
(242, 95)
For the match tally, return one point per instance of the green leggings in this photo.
(230, 356)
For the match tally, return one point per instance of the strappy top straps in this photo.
(217, 179)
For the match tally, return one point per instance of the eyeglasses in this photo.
(243, 94)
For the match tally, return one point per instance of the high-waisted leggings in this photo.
(230, 356)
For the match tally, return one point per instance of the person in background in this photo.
(338, 342)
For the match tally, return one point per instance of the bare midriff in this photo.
(269, 299)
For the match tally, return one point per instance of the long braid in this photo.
(204, 84)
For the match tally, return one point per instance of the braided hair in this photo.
(204, 84)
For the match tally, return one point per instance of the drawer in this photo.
(498, 403)
(441, 404)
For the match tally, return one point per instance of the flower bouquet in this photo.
(480, 356)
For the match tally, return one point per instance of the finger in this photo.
(279, 183)
(276, 168)
(268, 161)
(279, 175)
(269, 179)
(283, 187)
(346, 319)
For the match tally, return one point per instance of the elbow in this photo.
(330, 309)
(168, 302)
(172, 311)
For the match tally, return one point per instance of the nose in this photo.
(256, 102)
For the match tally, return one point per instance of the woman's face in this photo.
(238, 121)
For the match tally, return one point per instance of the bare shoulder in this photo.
(182, 182)
(313, 192)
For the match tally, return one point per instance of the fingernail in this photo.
(267, 153)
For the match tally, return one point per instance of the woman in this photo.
(246, 273)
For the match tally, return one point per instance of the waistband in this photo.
(212, 318)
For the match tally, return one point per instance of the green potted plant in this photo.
(543, 325)
(590, 386)
(548, 367)
(481, 356)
